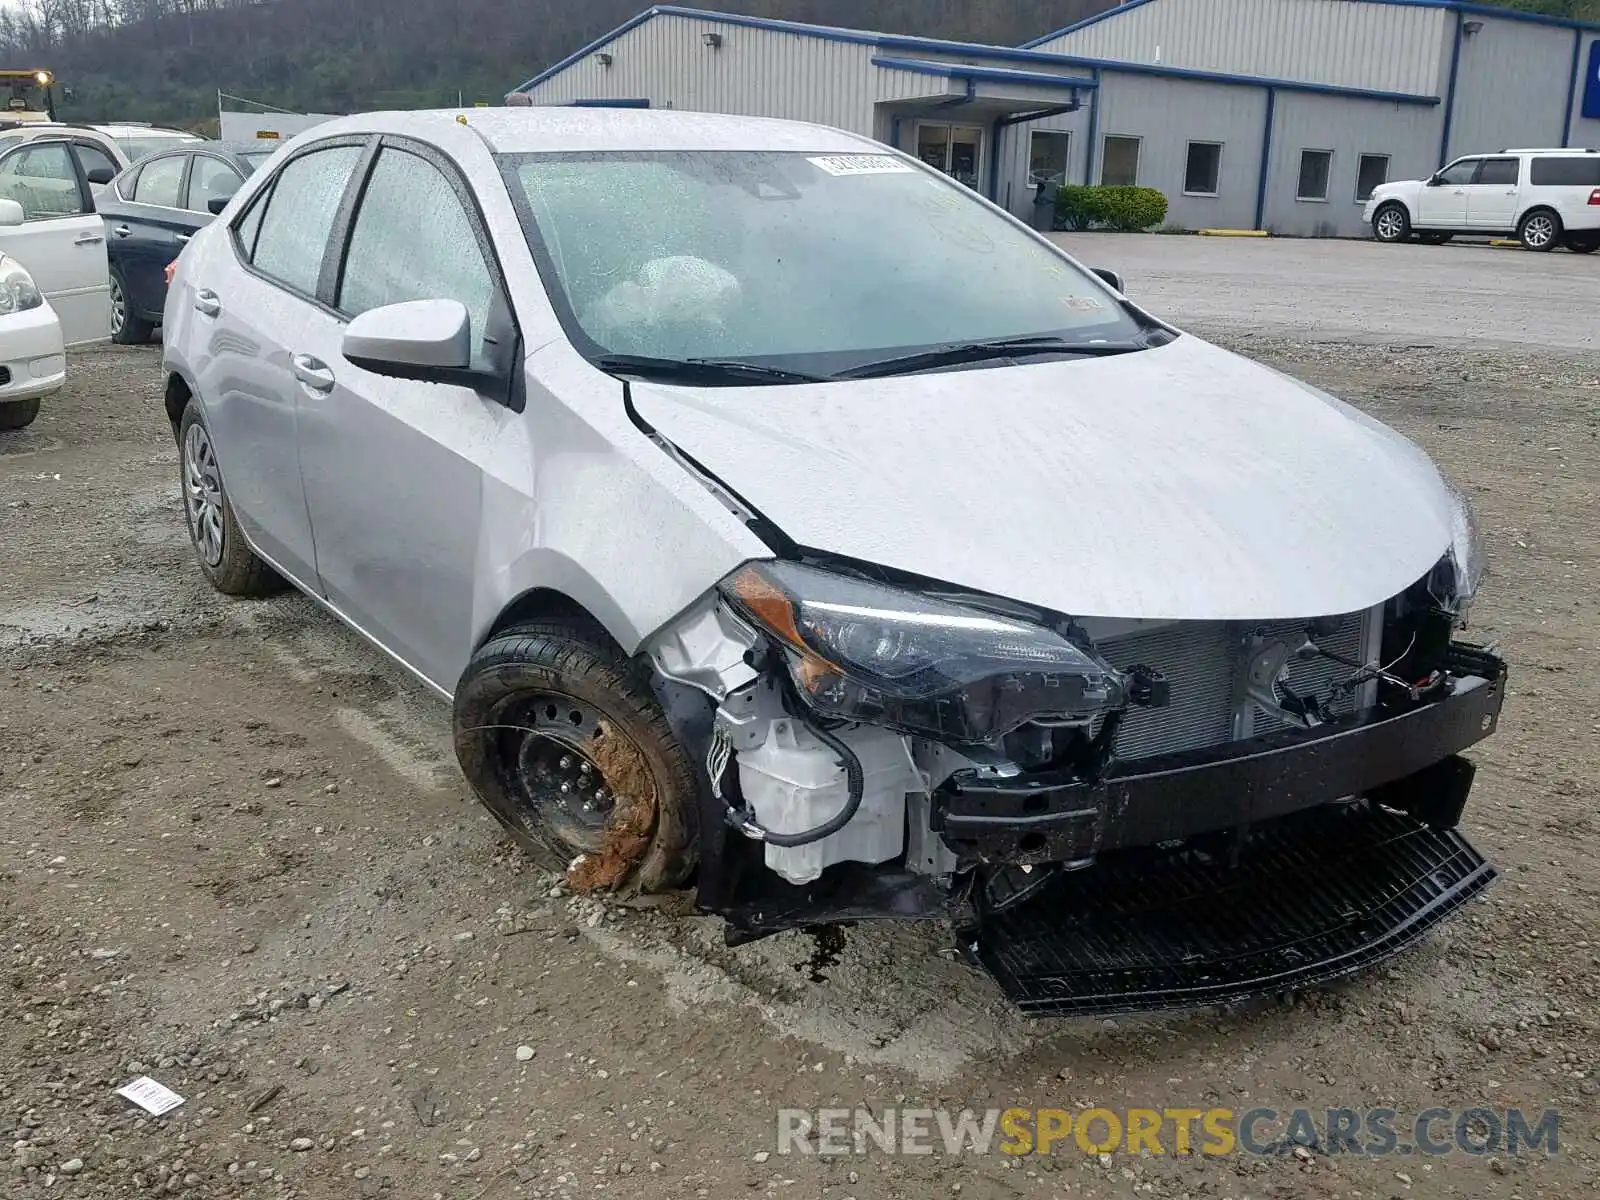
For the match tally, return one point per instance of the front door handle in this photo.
(312, 372)
(89, 239)
(122, 231)
(207, 302)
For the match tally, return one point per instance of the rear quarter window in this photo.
(1567, 171)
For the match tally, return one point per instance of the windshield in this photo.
(818, 263)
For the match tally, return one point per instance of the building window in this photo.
(1203, 168)
(1315, 167)
(1119, 161)
(1371, 172)
(957, 150)
(1047, 157)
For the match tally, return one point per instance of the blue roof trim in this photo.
(1085, 23)
(1475, 10)
(1260, 81)
(580, 55)
(951, 70)
(885, 41)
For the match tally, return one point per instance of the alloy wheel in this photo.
(1390, 226)
(1539, 231)
(119, 307)
(202, 494)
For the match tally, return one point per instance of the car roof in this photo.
(530, 130)
(124, 129)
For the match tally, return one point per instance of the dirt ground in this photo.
(236, 854)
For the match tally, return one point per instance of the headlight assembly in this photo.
(18, 293)
(1455, 580)
(862, 651)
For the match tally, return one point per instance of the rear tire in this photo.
(127, 327)
(1391, 223)
(563, 740)
(1540, 230)
(1583, 245)
(220, 549)
(18, 414)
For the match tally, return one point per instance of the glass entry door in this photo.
(957, 150)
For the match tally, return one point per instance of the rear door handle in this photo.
(312, 372)
(122, 231)
(207, 302)
(89, 239)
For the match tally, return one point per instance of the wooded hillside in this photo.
(164, 60)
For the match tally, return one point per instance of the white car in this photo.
(1547, 198)
(53, 230)
(32, 362)
(776, 512)
(137, 140)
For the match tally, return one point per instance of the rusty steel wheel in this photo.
(562, 739)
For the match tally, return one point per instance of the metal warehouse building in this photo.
(1257, 114)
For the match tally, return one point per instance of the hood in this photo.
(1183, 482)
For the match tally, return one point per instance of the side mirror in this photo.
(216, 204)
(11, 213)
(1109, 276)
(100, 176)
(426, 340)
(1433, 180)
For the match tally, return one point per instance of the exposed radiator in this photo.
(1204, 661)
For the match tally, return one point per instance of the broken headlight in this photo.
(863, 651)
(1454, 582)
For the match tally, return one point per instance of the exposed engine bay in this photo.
(875, 746)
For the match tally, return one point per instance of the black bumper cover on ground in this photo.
(1310, 899)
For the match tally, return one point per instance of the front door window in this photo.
(954, 149)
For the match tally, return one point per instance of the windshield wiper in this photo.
(700, 370)
(964, 352)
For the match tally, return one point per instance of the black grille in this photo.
(1310, 899)
(5, 376)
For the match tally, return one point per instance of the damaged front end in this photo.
(1114, 815)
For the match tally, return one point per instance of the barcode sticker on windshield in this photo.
(862, 164)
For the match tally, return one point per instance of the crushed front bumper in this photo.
(1262, 867)
(1032, 820)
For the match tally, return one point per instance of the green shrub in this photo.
(1125, 209)
(1079, 207)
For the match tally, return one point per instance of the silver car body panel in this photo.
(1183, 482)
(1175, 483)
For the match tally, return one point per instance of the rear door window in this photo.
(292, 238)
(1567, 170)
(161, 182)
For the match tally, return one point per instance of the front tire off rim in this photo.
(1539, 230)
(202, 494)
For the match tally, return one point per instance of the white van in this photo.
(1545, 197)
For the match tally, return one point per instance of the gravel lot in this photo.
(235, 853)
